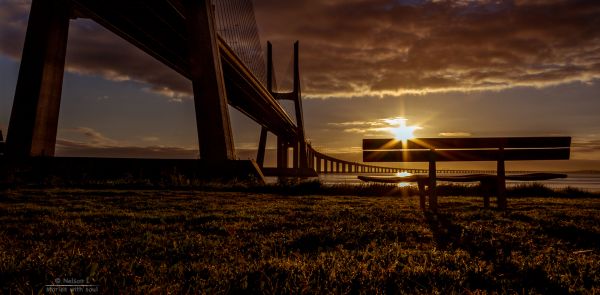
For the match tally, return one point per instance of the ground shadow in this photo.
(449, 235)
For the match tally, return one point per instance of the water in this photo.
(588, 182)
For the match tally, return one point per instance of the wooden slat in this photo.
(468, 142)
(466, 155)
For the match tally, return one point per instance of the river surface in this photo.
(588, 182)
(584, 181)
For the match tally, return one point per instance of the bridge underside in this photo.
(159, 28)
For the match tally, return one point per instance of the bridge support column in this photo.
(210, 99)
(34, 117)
(295, 154)
(301, 152)
(282, 153)
(318, 165)
(262, 144)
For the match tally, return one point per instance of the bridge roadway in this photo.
(158, 27)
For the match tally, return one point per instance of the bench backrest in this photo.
(466, 149)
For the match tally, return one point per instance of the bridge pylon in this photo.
(300, 151)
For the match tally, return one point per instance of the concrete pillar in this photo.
(282, 153)
(210, 99)
(318, 164)
(295, 153)
(298, 108)
(34, 117)
(262, 144)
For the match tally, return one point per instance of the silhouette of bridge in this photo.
(216, 46)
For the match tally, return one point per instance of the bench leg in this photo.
(501, 199)
(501, 185)
(432, 185)
(485, 192)
(486, 200)
(432, 199)
(422, 195)
(487, 187)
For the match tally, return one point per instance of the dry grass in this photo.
(225, 242)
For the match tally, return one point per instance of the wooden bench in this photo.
(498, 149)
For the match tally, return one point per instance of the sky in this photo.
(452, 68)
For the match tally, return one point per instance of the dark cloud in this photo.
(587, 146)
(377, 47)
(96, 144)
(393, 47)
(79, 149)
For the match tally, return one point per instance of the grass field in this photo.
(158, 242)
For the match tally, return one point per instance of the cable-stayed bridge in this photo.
(214, 44)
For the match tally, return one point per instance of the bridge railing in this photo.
(324, 164)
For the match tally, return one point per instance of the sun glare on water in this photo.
(403, 174)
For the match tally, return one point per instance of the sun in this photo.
(403, 132)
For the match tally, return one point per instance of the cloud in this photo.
(385, 126)
(454, 134)
(586, 146)
(95, 144)
(379, 48)
(78, 149)
(95, 138)
(375, 47)
(150, 138)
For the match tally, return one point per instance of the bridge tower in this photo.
(298, 145)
